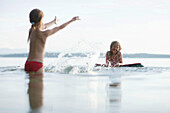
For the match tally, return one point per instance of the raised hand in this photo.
(75, 18)
(55, 20)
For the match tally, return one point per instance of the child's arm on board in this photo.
(46, 25)
(120, 58)
(107, 60)
(54, 30)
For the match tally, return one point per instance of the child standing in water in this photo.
(37, 38)
(114, 56)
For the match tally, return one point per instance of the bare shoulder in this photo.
(119, 53)
(108, 53)
(49, 32)
(44, 33)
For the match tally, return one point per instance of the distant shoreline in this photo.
(79, 54)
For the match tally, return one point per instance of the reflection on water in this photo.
(35, 92)
(113, 99)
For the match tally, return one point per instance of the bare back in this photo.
(38, 39)
(37, 46)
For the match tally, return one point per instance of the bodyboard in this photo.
(123, 65)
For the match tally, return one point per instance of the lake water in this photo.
(74, 85)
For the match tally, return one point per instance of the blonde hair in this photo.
(35, 17)
(113, 43)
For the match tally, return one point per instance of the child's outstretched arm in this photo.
(46, 25)
(54, 30)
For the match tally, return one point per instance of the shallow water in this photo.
(74, 85)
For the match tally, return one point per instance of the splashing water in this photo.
(73, 65)
(93, 59)
(85, 65)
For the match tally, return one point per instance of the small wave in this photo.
(84, 69)
(79, 69)
(10, 68)
(66, 69)
(133, 69)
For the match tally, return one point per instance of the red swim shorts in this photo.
(33, 66)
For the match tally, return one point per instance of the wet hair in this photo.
(35, 17)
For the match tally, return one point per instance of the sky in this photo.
(141, 26)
